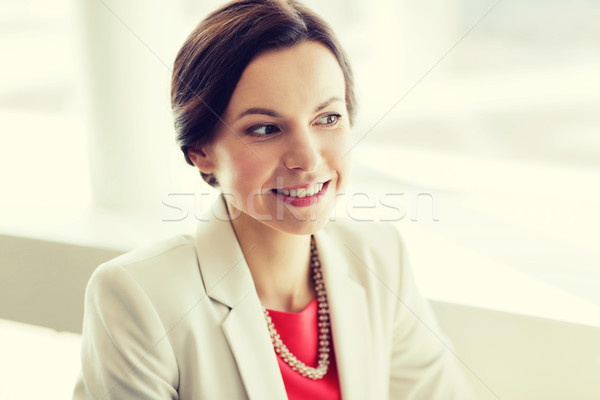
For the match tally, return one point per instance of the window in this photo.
(479, 119)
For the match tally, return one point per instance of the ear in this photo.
(200, 157)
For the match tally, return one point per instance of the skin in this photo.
(257, 153)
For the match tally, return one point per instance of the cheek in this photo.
(339, 155)
(344, 172)
(242, 172)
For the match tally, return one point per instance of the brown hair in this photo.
(212, 59)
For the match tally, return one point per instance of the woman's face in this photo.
(280, 156)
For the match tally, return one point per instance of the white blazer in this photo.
(181, 319)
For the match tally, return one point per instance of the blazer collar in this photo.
(228, 280)
(225, 273)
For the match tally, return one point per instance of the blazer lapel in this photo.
(349, 320)
(228, 280)
(248, 337)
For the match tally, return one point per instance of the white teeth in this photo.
(310, 191)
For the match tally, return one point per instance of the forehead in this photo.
(290, 79)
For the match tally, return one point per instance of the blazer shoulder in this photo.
(150, 266)
(152, 255)
(367, 235)
(370, 247)
(149, 251)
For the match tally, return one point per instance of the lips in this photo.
(300, 196)
(302, 192)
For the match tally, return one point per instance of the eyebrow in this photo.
(275, 114)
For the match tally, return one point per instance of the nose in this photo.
(303, 150)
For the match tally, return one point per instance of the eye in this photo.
(262, 130)
(329, 119)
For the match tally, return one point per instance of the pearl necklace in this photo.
(323, 324)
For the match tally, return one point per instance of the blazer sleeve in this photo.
(423, 364)
(125, 352)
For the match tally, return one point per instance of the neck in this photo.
(279, 263)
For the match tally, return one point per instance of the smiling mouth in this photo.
(302, 192)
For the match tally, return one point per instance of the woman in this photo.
(268, 300)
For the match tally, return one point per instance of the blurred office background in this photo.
(478, 134)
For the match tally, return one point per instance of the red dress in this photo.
(299, 332)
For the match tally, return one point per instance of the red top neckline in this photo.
(300, 333)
